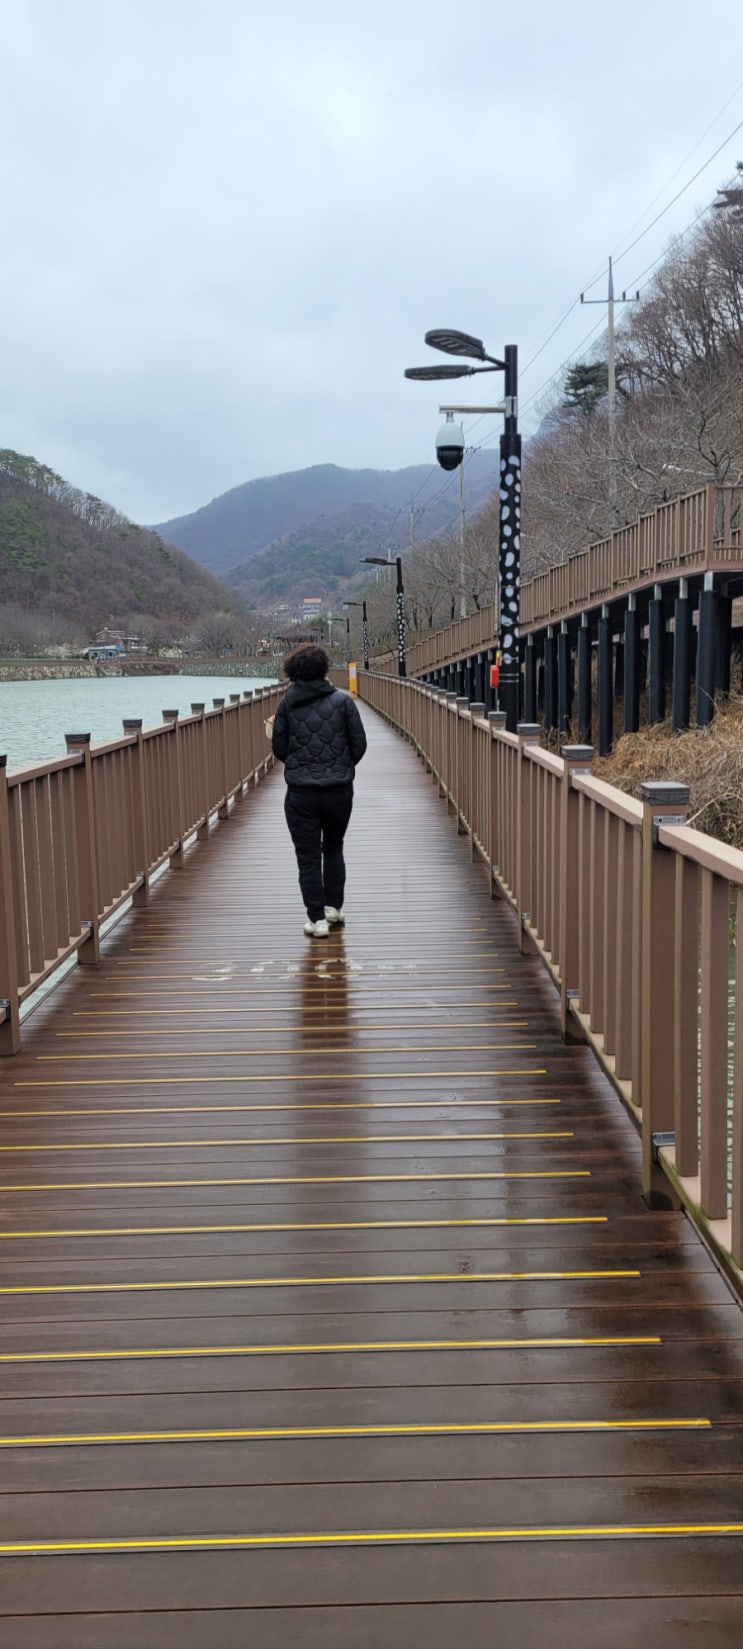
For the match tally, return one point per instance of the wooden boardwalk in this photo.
(332, 1314)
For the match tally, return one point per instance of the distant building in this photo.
(121, 643)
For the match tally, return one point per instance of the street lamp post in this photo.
(509, 542)
(382, 561)
(361, 604)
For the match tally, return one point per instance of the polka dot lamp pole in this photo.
(400, 612)
(509, 548)
(452, 342)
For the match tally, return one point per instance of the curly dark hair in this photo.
(306, 663)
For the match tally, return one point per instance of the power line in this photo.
(622, 250)
(680, 167)
(681, 192)
(636, 283)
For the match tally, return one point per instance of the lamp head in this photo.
(456, 343)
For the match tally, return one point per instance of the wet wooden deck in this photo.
(329, 1299)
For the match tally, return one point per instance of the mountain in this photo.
(323, 559)
(71, 564)
(321, 505)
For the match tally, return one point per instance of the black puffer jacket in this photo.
(318, 734)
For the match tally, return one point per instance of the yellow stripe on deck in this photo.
(303, 1179)
(561, 1343)
(305, 1225)
(284, 1139)
(413, 1278)
(388, 1537)
(434, 1428)
(284, 1076)
(278, 1105)
(279, 1053)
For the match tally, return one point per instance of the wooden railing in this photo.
(465, 636)
(81, 836)
(634, 914)
(699, 532)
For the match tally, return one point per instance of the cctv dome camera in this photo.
(450, 446)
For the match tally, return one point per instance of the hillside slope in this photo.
(72, 564)
(324, 559)
(229, 531)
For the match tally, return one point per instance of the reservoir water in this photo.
(35, 715)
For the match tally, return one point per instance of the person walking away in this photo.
(319, 736)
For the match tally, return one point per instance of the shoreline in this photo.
(86, 670)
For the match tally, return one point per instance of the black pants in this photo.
(318, 817)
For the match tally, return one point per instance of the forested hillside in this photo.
(71, 564)
(325, 559)
(319, 504)
(679, 416)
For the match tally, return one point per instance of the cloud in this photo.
(226, 229)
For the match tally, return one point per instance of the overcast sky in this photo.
(226, 227)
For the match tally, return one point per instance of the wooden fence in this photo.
(697, 533)
(81, 836)
(633, 913)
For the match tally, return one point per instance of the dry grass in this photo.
(709, 760)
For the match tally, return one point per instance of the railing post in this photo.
(175, 783)
(89, 951)
(662, 802)
(10, 1023)
(736, 1244)
(263, 697)
(496, 718)
(236, 698)
(202, 830)
(450, 771)
(460, 779)
(224, 803)
(577, 759)
(132, 726)
(477, 711)
(249, 701)
(528, 733)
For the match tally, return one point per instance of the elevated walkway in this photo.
(332, 1310)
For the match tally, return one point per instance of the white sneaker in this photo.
(334, 917)
(317, 930)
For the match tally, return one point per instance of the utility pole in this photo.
(612, 386)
